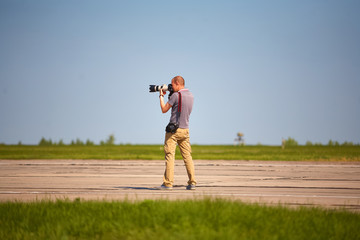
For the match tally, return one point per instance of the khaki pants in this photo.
(181, 137)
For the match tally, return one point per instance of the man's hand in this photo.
(164, 107)
(162, 93)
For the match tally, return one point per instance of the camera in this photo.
(164, 87)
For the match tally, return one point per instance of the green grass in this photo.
(162, 219)
(208, 152)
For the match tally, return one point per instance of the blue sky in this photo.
(270, 69)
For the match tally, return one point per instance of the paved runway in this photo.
(327, 184)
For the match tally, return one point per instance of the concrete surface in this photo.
(326, 184)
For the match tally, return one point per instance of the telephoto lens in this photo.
(152, 88)
(157, 88)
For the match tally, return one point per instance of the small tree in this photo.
(89, 143)
(111, 140)
(346, 143)
(44, 142)
(79, 142)
(290, 142)
(61, 143)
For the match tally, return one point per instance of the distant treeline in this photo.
(292, 142)
(110, 141)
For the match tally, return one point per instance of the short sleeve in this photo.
(173, 99)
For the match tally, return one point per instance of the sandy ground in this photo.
(326, 184)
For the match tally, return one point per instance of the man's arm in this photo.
(164, 107)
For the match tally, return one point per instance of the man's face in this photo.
(176, 87)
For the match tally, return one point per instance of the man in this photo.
(181, 99)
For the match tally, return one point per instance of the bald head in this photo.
(179, 80)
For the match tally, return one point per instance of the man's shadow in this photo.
(147, 188)
(138, 188)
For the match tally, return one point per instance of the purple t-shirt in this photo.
(186, 107)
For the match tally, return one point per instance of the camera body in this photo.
(164, 87)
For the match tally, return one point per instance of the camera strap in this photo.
(178, 109)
